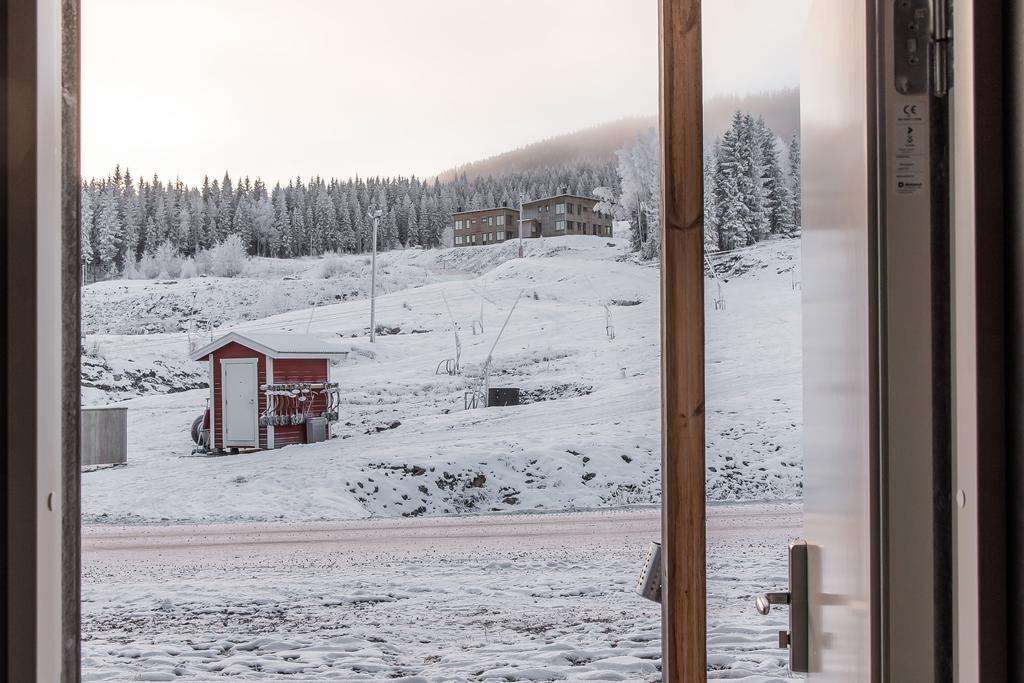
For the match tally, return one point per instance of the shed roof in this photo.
(275, 345)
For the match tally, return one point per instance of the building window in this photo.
(560, 226)
(559, 208)
(458, 239)
(458, 225)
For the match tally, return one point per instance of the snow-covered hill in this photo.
(587, 436)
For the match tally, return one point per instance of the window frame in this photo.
(684, 618)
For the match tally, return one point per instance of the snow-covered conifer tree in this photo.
(778, 204)
(710, 203)
(108, 231)
(794, 181)
(86, 224)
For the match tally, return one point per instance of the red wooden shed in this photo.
(243, 365)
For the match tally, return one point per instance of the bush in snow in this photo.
(229, 258)
(167, 261)
(331, 266)
(148, 267)
(131, 270)
(204, 262)
(188, 268)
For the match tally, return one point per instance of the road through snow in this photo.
(486, 598)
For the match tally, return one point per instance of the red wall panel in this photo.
(289, 370)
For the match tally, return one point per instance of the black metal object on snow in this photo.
(502, 396)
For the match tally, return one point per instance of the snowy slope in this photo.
(406, 445)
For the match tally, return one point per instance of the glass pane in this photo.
(752, 315)
(436, 460)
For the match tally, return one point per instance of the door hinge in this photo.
(942, 47)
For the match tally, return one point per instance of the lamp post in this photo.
(522, 200)
(375, 215)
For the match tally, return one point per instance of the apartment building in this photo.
(485, 226)
(563, 214)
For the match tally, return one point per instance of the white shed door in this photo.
(238, 401)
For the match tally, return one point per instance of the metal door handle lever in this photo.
(796, 638)
(764, 601)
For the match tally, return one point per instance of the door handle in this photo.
(796, 638)
(765, 601)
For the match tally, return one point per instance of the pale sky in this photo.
(283, 88)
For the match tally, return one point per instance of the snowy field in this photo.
(588, 436)
(486, 598)
(402, 549)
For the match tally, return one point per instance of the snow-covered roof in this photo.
(570, 195)
(487, 210)
(275, 345)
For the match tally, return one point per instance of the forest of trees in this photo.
(751, 188)
(133, 225)
(148, 227)
(751, 192)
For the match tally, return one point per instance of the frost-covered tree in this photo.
(263, 225)
(794, 182)
(298, 230)
(710, 203)
(733, 216)
(325, 223)
(133, 226)
(229, 258)
(778, 202)
(183, 232)
(387, 237)
(167, 262)
(244, 222)
(161, 224)
(639, 172)
(108, 230)
(225, 207)
(740, 161)
(608, 202)
(282, 224)
(86, 225)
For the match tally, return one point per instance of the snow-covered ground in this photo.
(485, 598)
(588, 437)
(401, 549)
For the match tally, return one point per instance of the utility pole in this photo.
(522, 200)
(375, 215)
